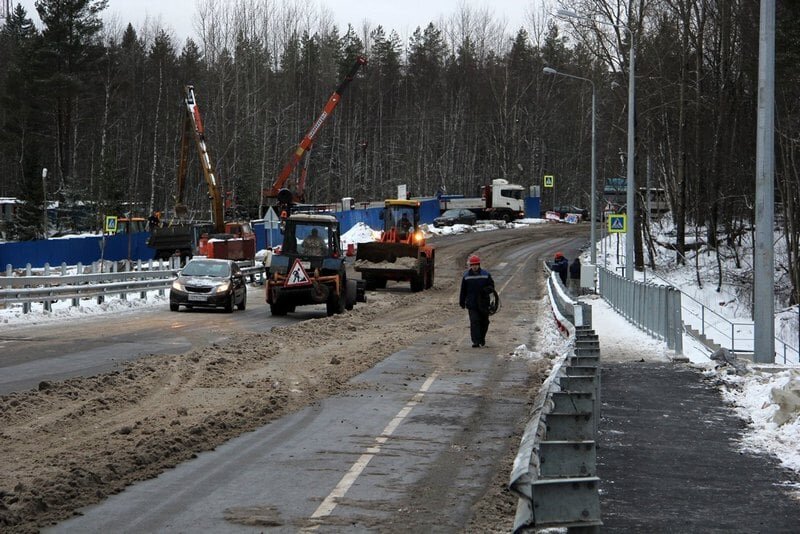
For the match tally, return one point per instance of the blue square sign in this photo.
(617, 224)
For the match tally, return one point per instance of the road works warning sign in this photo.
(297, 275)
(617, 224)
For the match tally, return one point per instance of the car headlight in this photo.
(176, 285)
(222, 288)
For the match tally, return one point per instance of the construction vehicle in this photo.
(498, 201)
(232, 240)
(131, 225)
(401, 254)
(310, 268)
(284, 196)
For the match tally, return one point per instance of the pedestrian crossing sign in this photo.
(297, 275)
(110, 226)
(548, 180)
(617, 224)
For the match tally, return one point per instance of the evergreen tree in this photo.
(70, 51)
(21, 139)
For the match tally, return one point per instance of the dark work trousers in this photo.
(478, 326)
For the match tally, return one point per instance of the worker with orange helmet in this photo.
(561, 266)
(475, 286)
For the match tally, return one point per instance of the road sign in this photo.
(548, 180)
(110, 226)
(617, 224)
(271, 219)
(297, 275)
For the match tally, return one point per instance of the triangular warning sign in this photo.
(617, 223)
(297, 275)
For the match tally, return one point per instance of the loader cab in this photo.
(131, 225)
(403, 218)
(401, 222)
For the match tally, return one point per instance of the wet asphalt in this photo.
(669, 458)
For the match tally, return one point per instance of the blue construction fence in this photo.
(90, 248)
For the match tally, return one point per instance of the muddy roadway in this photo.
(383, 419)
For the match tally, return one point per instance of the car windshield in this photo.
(451, 213)
(207, 268)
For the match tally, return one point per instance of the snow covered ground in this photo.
(767, 396)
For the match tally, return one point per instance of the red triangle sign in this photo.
(297, 275)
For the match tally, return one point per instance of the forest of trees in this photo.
(462, 101)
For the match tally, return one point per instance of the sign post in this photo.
(271, 222)
(549, 183)
(618, 224)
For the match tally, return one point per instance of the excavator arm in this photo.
(308, 140)
(193, 127)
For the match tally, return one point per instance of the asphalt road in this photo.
(412, 446)
(90, 346)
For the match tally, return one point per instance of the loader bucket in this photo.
(385, 252)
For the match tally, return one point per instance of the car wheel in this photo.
(231, 302)
(173, 307)
(242, 305)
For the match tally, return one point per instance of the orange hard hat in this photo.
(474, 260)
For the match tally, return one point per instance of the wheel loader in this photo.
(401, 254)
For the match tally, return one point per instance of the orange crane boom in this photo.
(309, 138)
(193, 127)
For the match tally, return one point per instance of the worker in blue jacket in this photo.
(561, 266)
(476, 285)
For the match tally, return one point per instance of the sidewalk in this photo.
(668, 453)
(668, 458)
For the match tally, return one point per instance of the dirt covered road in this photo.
(69, 444)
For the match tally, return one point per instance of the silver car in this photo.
(209, 283)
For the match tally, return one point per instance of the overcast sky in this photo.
(402, 16)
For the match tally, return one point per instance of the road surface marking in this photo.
(328, 505)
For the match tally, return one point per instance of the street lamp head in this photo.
(548, 70)
(567, 14)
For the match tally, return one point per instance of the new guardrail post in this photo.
(26, 306)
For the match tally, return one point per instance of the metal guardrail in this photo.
(46, 289)
(576, 313)
(654, 308)
(555, 470)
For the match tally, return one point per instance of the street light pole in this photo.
(631, 190)
(630, 185)
(44, 202)
(592, 235)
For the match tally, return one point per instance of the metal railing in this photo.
(736, 336)
(57, 284)
(656, 309)
(555, 470)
